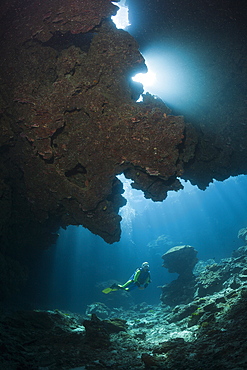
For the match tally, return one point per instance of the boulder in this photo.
(242, 234)
(180, 259)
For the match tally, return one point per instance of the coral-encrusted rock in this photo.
(242, 234)
(181, 259)
(98, 331)
(78, 128)
(39, 20)
(212, 278)
(99, 309)
(179, 291)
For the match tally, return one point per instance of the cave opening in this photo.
(67, 275)
(121, 19)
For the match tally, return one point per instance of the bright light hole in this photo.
(147, 79)
(173, 75)
(121, 20)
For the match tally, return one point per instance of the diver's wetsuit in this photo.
(141, 277)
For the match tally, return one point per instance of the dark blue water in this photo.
(71, 274)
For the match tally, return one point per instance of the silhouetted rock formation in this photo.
(181, 259)
(242, 234)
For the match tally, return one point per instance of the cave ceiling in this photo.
(70, 122)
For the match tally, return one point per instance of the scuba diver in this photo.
(140, 279)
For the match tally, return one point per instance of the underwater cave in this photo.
(123, 141)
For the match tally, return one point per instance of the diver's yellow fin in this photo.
(108, 290)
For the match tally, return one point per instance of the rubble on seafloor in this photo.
(209, 331)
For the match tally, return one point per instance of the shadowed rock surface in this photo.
(182, 260)
(70, 124)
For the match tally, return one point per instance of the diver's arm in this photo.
(148, 281)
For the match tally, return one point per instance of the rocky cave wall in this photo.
(216, 32)
(70, 124)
